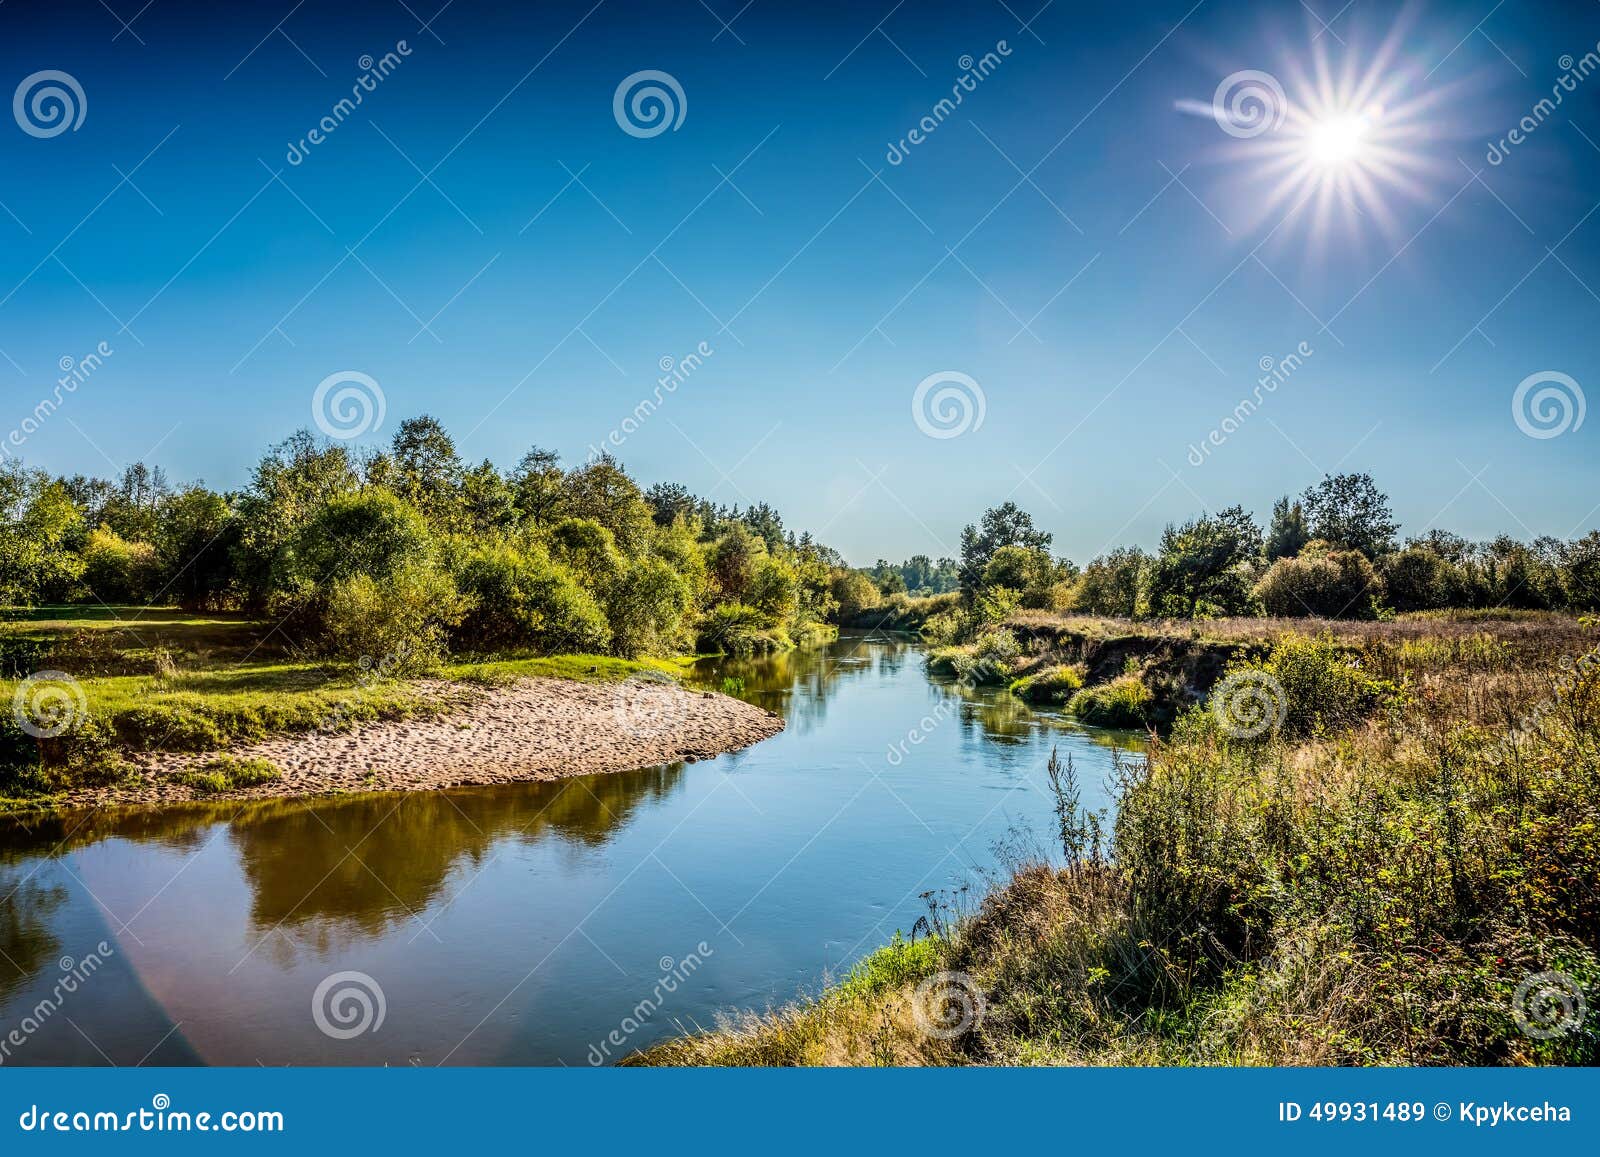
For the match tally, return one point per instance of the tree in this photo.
(602, 492)
(487, 500)
(1287, 533)
(1203, 567)
(1113, 584)
(670, 501)
(1005, 525)
(1348, 511)
(40, 529)
(427, 471)
(767, 523)
(536, 486)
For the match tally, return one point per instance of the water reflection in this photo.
(512, 924)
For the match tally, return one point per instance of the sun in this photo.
(1334, 142)
(1340, 140)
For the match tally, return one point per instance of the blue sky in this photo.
(527, 290)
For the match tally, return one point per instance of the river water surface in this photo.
(557, 923)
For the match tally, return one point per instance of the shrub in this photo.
(1052, 685)
(116, 570)
(1123, 702)
(518, 600)
(397, 622)
(372, 533)
(736, 629)
(1329, 584)
(1311, 686)
(647, 607)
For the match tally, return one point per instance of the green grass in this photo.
(226, 773)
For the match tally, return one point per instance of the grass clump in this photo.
(1124, 702)
(1053, 685)
(225, 773)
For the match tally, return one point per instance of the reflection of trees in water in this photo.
(26, 943)
(331, 872)
(796, 684)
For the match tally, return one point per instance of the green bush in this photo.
(371, 533)
(647, 607)
(1322, 583)
(1123, 702)
(734, 629)
(397, 623)
(518, 601)
(1055, 684)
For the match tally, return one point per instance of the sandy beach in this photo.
(534, 729)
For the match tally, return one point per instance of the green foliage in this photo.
(1124, 702)
(1056, 684)
(517, 601)
(1204, 567)
(1001, 526)
(398, 623)
(225, 773)
(1113, 584)
(372, 533)
(117, 570)
(1349, 512)
(1321, 583)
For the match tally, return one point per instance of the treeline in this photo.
(1331, 552)
(397, 557)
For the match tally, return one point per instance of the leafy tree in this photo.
(1288, 532)
(1321, 583)
(39, 531)
(428, 474)
(1004, 525)
(1203, 568)
(536, 486)
(1113, 584)
(670, 501)
(602, 492)
(1349, 511)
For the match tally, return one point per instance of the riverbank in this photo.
(1375, 848)
(531, 729)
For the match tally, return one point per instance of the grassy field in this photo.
(1403, 867)
(160, 679)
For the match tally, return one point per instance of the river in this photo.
(556, 923)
